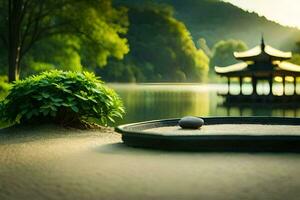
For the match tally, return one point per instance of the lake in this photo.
(158, 101)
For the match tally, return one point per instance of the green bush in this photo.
(67, 98)
(4, 85)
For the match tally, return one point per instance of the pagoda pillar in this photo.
(241, 85)
(228, 85)
(283, 85)
(271, 85)
(254, 83)
(295, 85)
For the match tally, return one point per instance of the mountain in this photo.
(216, 20)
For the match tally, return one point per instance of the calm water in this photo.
(158, 101)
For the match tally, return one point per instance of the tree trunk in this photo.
(13, 59)
(14, 39)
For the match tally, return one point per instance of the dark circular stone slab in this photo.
(190, 122)
(273, 134)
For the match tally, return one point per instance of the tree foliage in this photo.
(296, 54)
(217, 20)
(223, 52)
(29, 26)
(67, 98)
(295, 59)
(161, 48)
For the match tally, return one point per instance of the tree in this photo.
(203, 45)
(296, 54)
(223, 52)
(295, 59)
(297, 49)
(97, 25)
(161, 47)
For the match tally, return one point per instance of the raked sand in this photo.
(53, 163)
(229, 129)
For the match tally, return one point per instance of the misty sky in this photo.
(286, 12)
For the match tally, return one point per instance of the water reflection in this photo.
(157, 101)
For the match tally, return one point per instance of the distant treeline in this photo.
(216, 20)
(212, 24)
(136, 41)
(161, 49)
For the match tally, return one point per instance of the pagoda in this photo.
(261, 63)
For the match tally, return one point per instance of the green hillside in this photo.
(216, 20)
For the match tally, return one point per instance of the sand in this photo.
(229, 129)
(53, 163)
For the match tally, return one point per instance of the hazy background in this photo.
(284, 12)
(149, 40)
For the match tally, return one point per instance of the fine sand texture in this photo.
(229, 129)
(53, 163)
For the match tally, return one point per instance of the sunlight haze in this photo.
(285, 12)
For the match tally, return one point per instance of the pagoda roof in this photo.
(261, 61)
(261, 51)
(243, 68)
(287, 66)
(231, 68)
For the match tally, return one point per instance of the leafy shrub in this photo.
(68, 98)
(4, 85)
